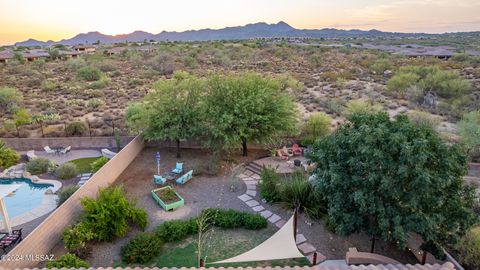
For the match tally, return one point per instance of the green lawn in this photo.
(83, 164)
(221, 244)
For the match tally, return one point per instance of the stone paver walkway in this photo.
(251, 181)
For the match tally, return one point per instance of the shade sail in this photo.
(279, 246)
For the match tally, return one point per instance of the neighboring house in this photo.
(35, 54)
(116, 50)
(6, 56)
(85, 48)
(70, 54)
(145, 48)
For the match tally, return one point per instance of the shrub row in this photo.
(145, 246)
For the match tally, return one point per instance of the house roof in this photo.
(445, 266)
(6, 55)
(86, 46)
(35, 53)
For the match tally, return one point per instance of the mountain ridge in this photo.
(248, 31)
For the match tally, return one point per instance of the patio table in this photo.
(57, 149)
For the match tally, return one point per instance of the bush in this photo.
(100, 84)
(66, 171)
(39, 165)
(8, 156)
(270, 185)
(48, 85)
(360, 106)
(76, 238)
(420, 118)
(10, 99)
(94, 103)
(98, 164)
(469, 129)
(299, 193)
(75, 129)
(111, 213)
(318, 125)
(141, 249)
(65, 193)
(68, 261)
(76, 64)
(89, 74)
(469, 248)
(253, 221)
(401, 82)
(175, 230)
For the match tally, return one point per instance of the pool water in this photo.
(25, 198)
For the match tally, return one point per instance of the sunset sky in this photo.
(58, 19)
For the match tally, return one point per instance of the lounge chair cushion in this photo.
(178, 168)
(185, 178)
(159, 180)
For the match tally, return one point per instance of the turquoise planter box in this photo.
(165, 206)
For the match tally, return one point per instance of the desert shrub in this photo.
(380, 66)
(163, 63)
(76, 64)
(190, 62)
(318, 125)
(10, 99)
(401, 82)
(107, 66)
(65, 193)
(89, 74)
(270, 185)
(94, 103)
(48, 85)
(298, 192)
(415, 94)
(66, 171)
(175, 230)
(68, 261)
(142, 248)
(111, 213)
(254, 221)
(8, 156)
(361, 106)
(469, 248)
(420, 118)
(76, 238)
(446, 84)
(469, 129)
(100, 84)
(460, 57)
(39, 165)
(98, 164)
(75, 129)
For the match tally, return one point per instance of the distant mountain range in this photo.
(249, 31)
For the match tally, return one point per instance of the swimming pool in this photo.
(25, 198)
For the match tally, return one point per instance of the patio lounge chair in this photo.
(108, 154)
(31, 155)
(297, 151)
(48, 150)
(11, 240)
(178, 168)
(185, 178)
(66, 150)
(159, 180)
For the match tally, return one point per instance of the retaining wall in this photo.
(43, 238)
(26, 144)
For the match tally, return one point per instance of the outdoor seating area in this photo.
(9, 240)
(58, 150)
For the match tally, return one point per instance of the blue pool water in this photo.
(25, 198)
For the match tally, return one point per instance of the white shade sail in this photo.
(279, 246)
(6, 190)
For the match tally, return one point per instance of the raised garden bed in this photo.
(167, 198)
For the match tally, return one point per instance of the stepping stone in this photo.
(84, 178)
(251, 187)
(250, 182)
(256, 177)
(266, 214)
(81, 182)
(248, 173)
(248, 179)
(86, 174)
(258, 208)
(280, 223)
(242, 176)
(244, 197)
(274, 218)
(307, 248)
(252, 193)
(300, 239)
(320, 258)
(252, 203)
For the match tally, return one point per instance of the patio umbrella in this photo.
(6, 190)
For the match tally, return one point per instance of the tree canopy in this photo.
(390, 178)
(248, 108)
(173, 111)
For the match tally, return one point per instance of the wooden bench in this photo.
(185, 178)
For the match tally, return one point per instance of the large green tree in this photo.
(173, 111)
(248, 108)
(389, 178)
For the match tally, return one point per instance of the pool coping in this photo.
(49, 201)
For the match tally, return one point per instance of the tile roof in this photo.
(445, 266)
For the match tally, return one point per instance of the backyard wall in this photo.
(26, 144)
(42, 239)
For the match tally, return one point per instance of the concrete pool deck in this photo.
(73, 155)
